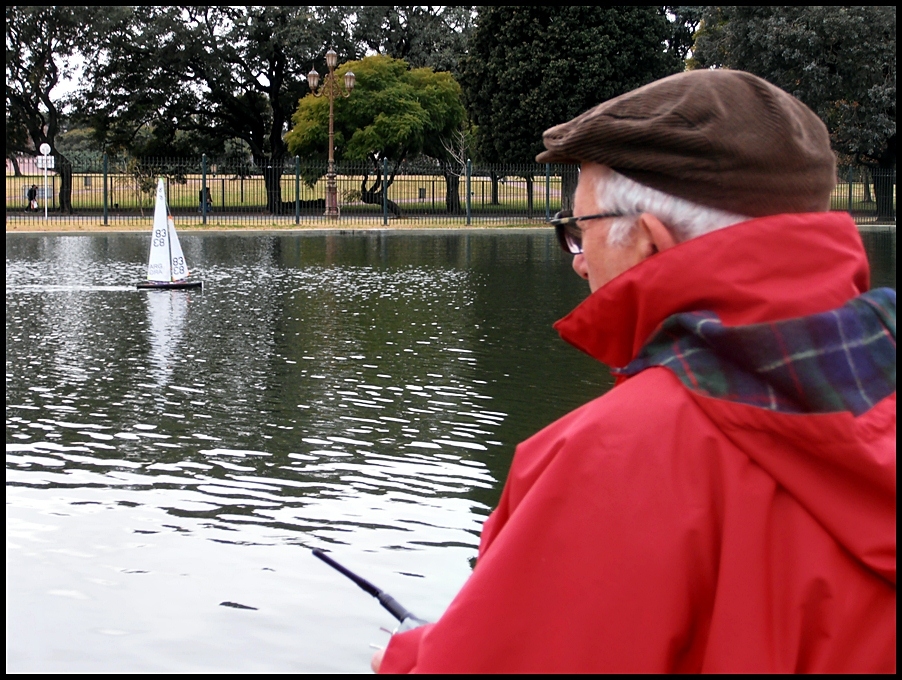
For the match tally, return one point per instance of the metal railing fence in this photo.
(868, 194)
(116, 191)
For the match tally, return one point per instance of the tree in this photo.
(840, 61)
(422, 36)
(187, 76)
(40, 42)
(529, 68)
(393, 114)
(458, 151)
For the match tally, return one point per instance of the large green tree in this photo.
(40, 44)
(529, 68)
(393, 114)
(179, 74)
(840, 61)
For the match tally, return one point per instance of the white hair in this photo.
(685, 219)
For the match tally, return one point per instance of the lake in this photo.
(173, 457)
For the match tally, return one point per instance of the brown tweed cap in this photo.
(722, 138)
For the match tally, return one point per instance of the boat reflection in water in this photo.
(167, 312)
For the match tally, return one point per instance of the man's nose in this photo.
(579, 266)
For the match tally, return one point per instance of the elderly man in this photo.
(730, 505)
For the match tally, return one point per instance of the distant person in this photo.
(205, 192)
(32, 196)
(730, 505)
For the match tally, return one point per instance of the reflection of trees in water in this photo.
(364, 354)
(232, 337)
(72, 333)
(373, 332)
(454, 291)
(528, 285)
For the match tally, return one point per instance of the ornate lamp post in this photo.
(331, 89)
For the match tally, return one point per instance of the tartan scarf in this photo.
(840, 360)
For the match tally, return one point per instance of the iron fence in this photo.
(117, 191)
(868, 194)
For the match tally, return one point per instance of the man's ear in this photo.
(654, 237)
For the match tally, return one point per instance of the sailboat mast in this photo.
(169, 237)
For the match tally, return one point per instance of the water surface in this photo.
(171, 451)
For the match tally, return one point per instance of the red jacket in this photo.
(658, 530)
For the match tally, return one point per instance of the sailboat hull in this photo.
(169, 285)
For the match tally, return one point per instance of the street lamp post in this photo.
(331, 89)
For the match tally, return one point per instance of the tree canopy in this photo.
(430, 36)
(529, 68)
(213, 72)
(393, 114)
(840, 61)
(40, 42)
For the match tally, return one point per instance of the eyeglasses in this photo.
(569, 235)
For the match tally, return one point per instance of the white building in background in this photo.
(27, 166)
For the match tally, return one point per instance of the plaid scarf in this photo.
(840, 360)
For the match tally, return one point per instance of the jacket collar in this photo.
(766, 269)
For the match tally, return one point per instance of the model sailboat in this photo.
(166, 266)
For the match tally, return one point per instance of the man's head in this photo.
(694, 152)
(651, 222)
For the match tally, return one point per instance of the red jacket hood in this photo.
(766, 269)
(841, 468)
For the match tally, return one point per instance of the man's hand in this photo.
(376, 661)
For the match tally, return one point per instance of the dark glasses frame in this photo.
(569, 235)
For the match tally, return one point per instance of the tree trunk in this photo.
(452, 193)
(15, 161)
(64, 168)
(495, 179)
(375, 198)
(373, 195)
(272, 180)
(569, 178)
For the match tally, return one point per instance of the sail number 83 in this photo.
(178, 266)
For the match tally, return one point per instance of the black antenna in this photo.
(386, 600)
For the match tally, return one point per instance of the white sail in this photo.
(166, 262)
(177, 266)
(159, 263)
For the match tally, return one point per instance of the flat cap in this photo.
(723, 138)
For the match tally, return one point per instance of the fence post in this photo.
(203, 187)
(385, 192)
(849, 174)
(547, 191)
(297, 189)
(469, 176)
(106, 201)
